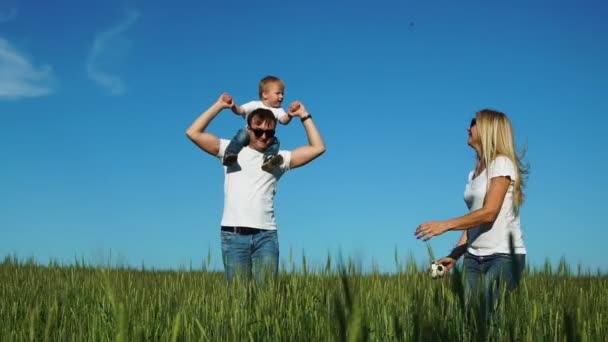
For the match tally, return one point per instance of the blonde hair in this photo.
(267, 81)
(497, 138)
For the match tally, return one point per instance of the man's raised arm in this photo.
(304, 154)
(196, 132)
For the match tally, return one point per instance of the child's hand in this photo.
(296, 108)
(225, 101)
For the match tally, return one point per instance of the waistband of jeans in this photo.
(494, 255)
(242, 230)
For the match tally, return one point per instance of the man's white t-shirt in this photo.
(249, 191)
(492, 238)
(253, 105)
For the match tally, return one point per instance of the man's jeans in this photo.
(493, 272)
(254, 255)
(241, 139)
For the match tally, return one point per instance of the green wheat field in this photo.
(332, 302)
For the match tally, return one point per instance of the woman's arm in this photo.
(449, 261)
(487, 214)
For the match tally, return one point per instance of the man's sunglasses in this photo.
(473, 122)
(258, 132)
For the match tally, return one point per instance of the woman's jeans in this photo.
(254, 255)
(491, 272)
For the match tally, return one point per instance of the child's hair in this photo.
(496, 137)
(265, 115)
(268, 80)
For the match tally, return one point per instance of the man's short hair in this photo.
(265, 115)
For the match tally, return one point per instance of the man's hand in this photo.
(197, 131)
(225, 101)
(304, 154)
(296, 108)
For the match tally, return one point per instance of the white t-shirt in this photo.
(249, 191)
(253, 105)
(491, 238)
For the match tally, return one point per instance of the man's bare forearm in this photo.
(197, 131)
(314, 137)
(200, 124)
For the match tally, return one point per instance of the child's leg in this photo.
(240, 140)
(273, 148)
(272, 158)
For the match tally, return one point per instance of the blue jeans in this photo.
(254, 255)
(493, 271)
(241, 139)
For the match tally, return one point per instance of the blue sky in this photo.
(95, 100)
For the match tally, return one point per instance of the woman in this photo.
(494, 196)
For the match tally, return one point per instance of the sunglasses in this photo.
(473, 122)
(258, 132)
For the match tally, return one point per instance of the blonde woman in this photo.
(494, 196)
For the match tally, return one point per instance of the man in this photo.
(249, 230)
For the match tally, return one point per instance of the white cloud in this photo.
(8, 15)
(19, 78)
(108, 46)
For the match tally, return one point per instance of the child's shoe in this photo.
(272, 161)
(229, 158)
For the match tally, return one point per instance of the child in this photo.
(271, 96)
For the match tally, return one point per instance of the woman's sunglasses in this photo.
(473, 122)
(258, 132)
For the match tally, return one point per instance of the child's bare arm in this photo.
(238, 110)
(285, 119)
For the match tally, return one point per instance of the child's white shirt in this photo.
(253, 105)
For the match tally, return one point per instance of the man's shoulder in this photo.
(286, 154)
(223, 145)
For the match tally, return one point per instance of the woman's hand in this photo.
(447, 262)
(429, 229)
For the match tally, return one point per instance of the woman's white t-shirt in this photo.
(492, 238)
